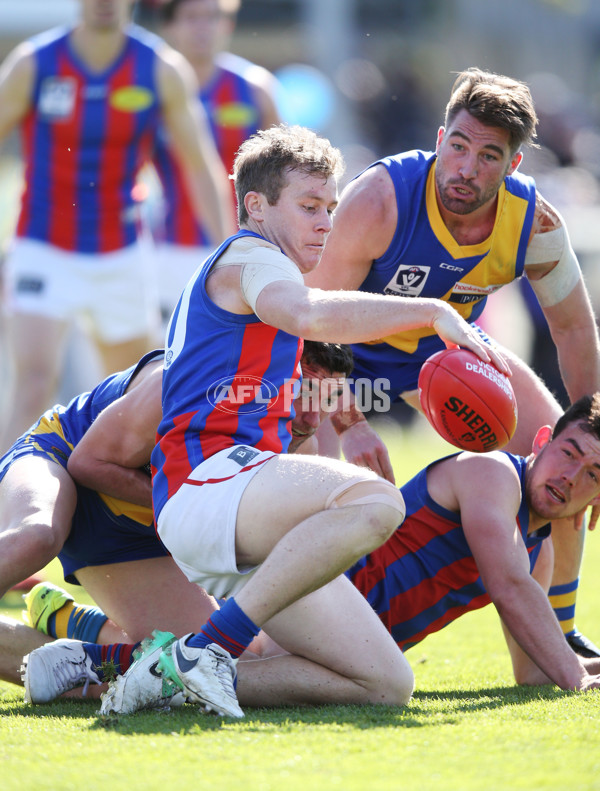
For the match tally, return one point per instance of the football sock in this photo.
(77, 621)
(229, 627)
(110, 660)
(562, 598)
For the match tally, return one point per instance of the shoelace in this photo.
(224, 672)
(68, 673)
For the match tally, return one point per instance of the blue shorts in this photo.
(100, 535)
(104, 529)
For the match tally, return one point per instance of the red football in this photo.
(468, 402)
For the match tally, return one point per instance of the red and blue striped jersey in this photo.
(425, 576)
(233, 115)
(84, 139)
(228, 380)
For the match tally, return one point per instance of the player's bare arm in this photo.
(490, 526)
(354, 316)
(110, 455)
(193, 145)
(16, 83)
(555, 276)
(365, 221)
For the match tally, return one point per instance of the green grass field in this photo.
(468, 727)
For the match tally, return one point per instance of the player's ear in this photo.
(254, 205)
(440, 137)
(515, 161)
(543, 437)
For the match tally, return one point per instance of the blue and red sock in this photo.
(228, 627)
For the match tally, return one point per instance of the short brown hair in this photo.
(495, 100)
(586, 412)
(263, 161)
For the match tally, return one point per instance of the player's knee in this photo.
(397, 687)
(39, 540)
(383, 508)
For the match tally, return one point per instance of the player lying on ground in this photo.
(474, 527)
(109, 544)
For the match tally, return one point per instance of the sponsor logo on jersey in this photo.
(463, 293)
(131, 99)
(57, 98)
(235, 115)
(451, 267)
(408, 281)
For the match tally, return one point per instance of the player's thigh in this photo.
(336, 627)
(37, 492)
(37, 344)
(118, 356)
(142, 595)
(287, 490)
(536, 404)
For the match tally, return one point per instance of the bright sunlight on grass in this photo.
(468, 727)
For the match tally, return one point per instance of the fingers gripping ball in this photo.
(468, 402)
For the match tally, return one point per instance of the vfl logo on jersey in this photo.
(57, 98)
(235, 115)
(131, 99)
(408, 281)
(252, 393)
(464, 293)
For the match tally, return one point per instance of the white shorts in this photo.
(116, 291)
(176, 265)
(197, 525)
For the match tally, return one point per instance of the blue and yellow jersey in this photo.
(84, 139)
(424, 260)
(425, 576)
(233, 114)
(229, 380)
(60, 428)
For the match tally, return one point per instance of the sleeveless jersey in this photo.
(233, 114)
(229, 380)
(60, 428)
(425, 576)
(84, 139)
(423, 259)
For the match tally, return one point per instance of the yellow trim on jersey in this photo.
(139, 513)
(496, 268)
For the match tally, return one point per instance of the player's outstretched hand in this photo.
(362, 445)
(455, 331)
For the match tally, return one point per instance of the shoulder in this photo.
(546, 217)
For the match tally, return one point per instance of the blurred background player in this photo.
(88, 101)
(239, 99)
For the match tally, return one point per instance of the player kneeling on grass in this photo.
(474, 528)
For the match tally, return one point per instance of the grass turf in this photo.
(468, 727)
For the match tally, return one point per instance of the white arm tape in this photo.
(554, 245)
(273, 266)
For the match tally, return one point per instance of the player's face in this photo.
(106, 15)
(198, 29)
(317, 398)
(300, 222)
(564, 477)
(472, 161)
